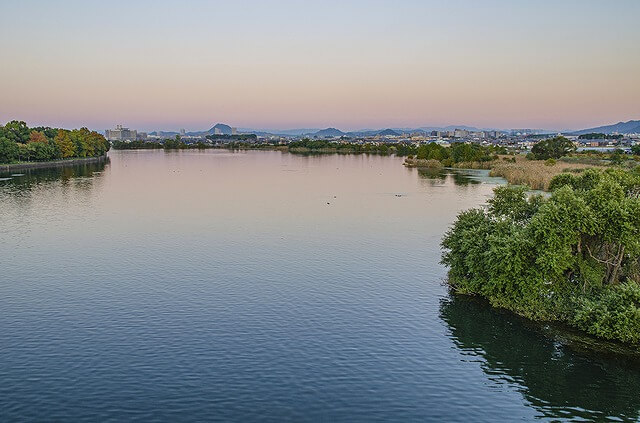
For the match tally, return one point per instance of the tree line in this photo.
(18, 142)
(599, 136)
(458, 152)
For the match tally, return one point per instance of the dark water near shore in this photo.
(264, 286)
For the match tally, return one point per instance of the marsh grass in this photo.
(536, 174)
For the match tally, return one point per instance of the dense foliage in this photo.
(552, 148)
(234, 137)
(573, 256)
(458, 153)
(18, 142)
(136, 145)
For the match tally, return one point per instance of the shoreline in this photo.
(52, 163)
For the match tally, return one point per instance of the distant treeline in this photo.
(18, 142)
(458, 152)
(168, 144)
(598, 136)
(324, 146)
(236, 137)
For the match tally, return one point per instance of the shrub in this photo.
(614, 314)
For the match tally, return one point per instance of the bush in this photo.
(552, 148)
(614, 314)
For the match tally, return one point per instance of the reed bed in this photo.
(536, 174)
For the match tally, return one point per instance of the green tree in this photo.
(552, 148)
(8, 150)
(16, 131)
(65, 144)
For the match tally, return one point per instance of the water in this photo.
(265, 286)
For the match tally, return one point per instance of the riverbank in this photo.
(517, 170)
(52, 163)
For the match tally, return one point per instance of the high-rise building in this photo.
(121, 134)
(182, 132)
(460, 133)
(234, 131)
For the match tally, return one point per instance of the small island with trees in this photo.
(21, 146)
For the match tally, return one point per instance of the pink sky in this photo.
(383, 64)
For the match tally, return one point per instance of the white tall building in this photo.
(121, 134)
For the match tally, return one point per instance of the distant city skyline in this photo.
(561, 65)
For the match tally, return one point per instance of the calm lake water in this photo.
(265, 286)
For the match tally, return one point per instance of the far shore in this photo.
(53, 163)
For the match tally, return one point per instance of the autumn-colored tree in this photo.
(36, 136)
(65, 143)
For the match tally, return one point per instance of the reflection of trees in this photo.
(439, 177)
(65, 174)
(463, 179)
(556, 380)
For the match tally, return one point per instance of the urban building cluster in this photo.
(521, 139)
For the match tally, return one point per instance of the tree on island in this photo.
(552, 148)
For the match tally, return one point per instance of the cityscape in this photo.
(611, 137)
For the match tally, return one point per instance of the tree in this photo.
(552, 148)
(65, 144)
(36, 136)
(617, 157)
(16, 131)
(8, 150)
(635, 149)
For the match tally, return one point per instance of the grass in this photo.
(536, 174)
(431, 163)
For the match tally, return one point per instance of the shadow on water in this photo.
(459, 177)
(556, 380)
(27, 179)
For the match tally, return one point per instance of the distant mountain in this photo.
(388, 132)
(329, 132)
(225, 129)
(630, 127)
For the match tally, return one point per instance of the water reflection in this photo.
(459, 177)
(556, 380)
(83, 175)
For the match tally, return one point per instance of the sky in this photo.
(166, 65)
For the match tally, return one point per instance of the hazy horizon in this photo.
(166, 65)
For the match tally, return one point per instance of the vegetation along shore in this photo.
(21, 146)
(547, 159)
(572, 257)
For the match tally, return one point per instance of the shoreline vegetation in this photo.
(548, 159)
(572, 257)
(22, 147)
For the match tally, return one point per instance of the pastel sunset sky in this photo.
(151, 65)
